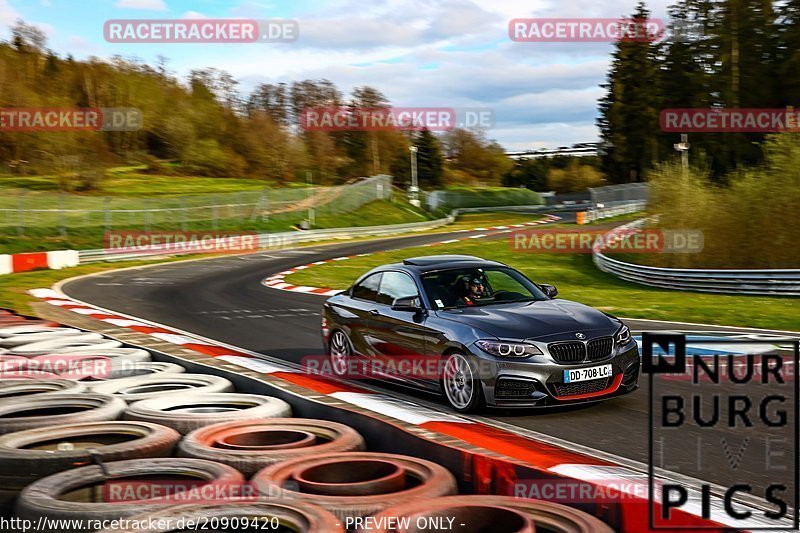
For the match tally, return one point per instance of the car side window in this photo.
(368, 288)
(396, 285)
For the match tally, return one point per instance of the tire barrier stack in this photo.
(145, 442)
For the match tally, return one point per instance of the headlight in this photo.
(508, 349)
(623, 336)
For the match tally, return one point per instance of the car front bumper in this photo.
(509, 383)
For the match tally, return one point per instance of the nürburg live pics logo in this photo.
(723, 421)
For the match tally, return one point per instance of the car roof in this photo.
(430, 263)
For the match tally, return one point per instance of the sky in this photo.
(419, 53)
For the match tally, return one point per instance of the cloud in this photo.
(437, 53)
(388, 24)
(152, 5)
(194, 15)
(8, 15)
(77, 44)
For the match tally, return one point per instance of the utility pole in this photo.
(414, 189)
(683, 148)
(376, 158)
(310, 183)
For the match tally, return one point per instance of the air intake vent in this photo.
(568, 352)
(599, 348)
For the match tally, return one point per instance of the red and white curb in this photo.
(549, 459)
(25, 262)
(278, 281)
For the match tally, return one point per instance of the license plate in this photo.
(587, 374)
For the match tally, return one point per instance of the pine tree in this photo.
(629, 111)
(430, 165)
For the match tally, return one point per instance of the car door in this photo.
(399, 336)
(362, 303)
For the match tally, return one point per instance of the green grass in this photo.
(374, 213)
(130, 181)
(91, 235)
(484, 220)
(578, 279)
(489, 197)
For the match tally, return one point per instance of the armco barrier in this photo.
(485, 459)
(777, 282)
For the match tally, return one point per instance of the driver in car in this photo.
(476, 290)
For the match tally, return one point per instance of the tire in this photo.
(68, 343)
(20, 326)
(25, 335)
(131, 355)
(35, 453)
(460, 384)
(292, 515)
(187, 412)
(500, 513)
(72, 366)
(10, 363)
(34, 411)
(47, 335)
(340, 353)
(14, 388)
(23, 373)
(125, 369)
(144, 387)
(364, 483)
(217, 442)
(42, 497)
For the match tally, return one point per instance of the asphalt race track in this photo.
(223, 299)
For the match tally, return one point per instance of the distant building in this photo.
(576, 150)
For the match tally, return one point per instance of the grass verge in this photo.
(577, 279)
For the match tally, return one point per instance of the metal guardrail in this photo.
(286, 239)
(769, 282)
(269, 241)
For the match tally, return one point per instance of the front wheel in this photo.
(339, 352)
(460, 383)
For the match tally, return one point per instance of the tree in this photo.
(430, 166)
(629, 111)
(27, 37)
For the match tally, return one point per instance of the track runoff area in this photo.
(712, 430)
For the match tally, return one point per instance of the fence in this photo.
(778, 282)
(487, 197)
(291, 238)
(611, 195)
(30, 213)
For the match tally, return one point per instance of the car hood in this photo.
(547, 320)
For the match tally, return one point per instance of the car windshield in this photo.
(465, 287)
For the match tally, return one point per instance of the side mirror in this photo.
(408, 303)
(549, 290)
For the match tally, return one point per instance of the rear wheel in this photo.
(339, 352)
(460, 383)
